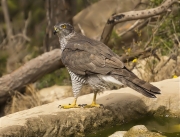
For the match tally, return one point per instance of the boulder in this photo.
(136, 131)
(118, 134)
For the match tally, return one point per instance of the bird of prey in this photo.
(92, 62)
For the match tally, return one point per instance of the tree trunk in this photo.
(56, 11)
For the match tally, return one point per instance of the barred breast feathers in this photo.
(63, 41)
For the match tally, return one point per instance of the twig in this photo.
(132, 27)
(155, 30)
(164, 64)
(139, 54)
(82, 31)
(176, 37)
(24, 32)
(6, 18)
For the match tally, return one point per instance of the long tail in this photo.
(131, 80)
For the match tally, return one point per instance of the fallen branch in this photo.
(29, 73)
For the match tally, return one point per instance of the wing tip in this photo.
(155, 90)
(153, 96)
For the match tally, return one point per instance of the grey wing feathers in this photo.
(84, 58)
(82, 63)
(130, 79)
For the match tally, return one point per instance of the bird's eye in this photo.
(63, 26)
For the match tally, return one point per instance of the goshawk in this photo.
(92, 62)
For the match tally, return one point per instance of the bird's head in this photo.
(63, 29)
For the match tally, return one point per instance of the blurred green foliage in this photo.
(164, 38)
(3, 59)
(59, 77)
(156, 2)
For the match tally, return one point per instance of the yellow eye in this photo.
(63, 26)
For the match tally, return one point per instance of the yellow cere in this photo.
(134, 60)
(175, 76)
(55, 28)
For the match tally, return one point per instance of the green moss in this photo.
(12, 5)
(38, 15)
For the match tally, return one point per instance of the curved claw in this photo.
(82, 105)
(94, 105)
(69, 106)
(101, 105)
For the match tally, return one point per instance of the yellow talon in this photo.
(134, 60)
(175, 76)
(73, 105)
(93, 104)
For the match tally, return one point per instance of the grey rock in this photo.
(118, 134)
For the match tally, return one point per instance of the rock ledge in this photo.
(120, 105)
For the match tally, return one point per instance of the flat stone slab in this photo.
(120, 106)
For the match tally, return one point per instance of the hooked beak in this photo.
(54, 32)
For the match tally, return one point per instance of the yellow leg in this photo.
(93, 104)
(73, 105)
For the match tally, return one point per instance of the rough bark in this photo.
(29, 72)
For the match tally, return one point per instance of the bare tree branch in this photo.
(30, 72)
(26, 23)
(133, 15)
(131, 28)
(155, 30)
(6, 18)
(82, 31)
(139, 54)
